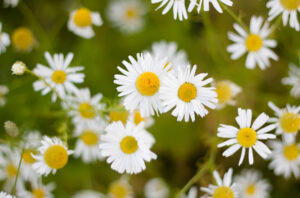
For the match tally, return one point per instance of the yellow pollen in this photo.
(289, 122)
(11, 170)
(223, 192)
(56, 156)
(82, 17)
(27, 156)
(59, 76)
(254, 42)
(131, 14)
(118, 190)
(138, 118)
(290, 5)
(129, 145)
(251, 189)
(187, 92)
(86, 110)
(247, 137)
(147, 83)
(89, 137)
(22, 39)
(291, 152)
(224, 92)
(115, 116)
(38, 193)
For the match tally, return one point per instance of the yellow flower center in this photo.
(289, 122)
(247, 137)
(38, 193)
(11, 170)
(86, 110)
(187, 92)
(251, 189)
(82, 17)
(147, 83)
(129, 145)
(27, 156)
(115, 116)
(291, 152)
(290, 5)
(131, 14)
(224, 92)
(22, 39)
(118, 190)
(223, 192)
(59, 76)
(254, 42)
(89, 137)
(56, 156)
(138, 118)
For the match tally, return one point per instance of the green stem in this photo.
(13, 192)
(276, 24)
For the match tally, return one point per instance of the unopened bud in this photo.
(11, 128)
(18, 68)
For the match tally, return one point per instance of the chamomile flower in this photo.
(226, 91)
(179, 9)
(285, 159)
(88, 194)
(185, 92)
(4, 40)
(89, 136)
(224, 188)
(120, 189)
(3, 91)
(22, 39)
(136, 118)
(128, 15)
(38, 190)
(156, 188)
(206, 3)
(53, 155)
(255, 43)
(127, 147)
(293, 80)
(191, 194)
(81, 20)
(59, 76)
(5, 195)
(287, 121)
(247, 136)
(251, 185)
(141, 82)
(288, 9)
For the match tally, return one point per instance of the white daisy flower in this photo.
(137, 118)
(84, 107)
(58, 76)
(226, 91)
(191, 194)
(128, 15)
(23, 39)
(179, 9)
(247, 136)
(185, 92)
(156, 188)
(38, 190)
(89, 136)
(127, 147)
(81, 20)
(255, 43)
(288, 9)
(120, 188)
(224, 188)
(293, 80)
(285, 159)
(53, 155)
(4, 40)
(88, 194)
(5, 195)
(10, 3)
(141, 82)
(251, 185)
(3, 91)
(206, 3)
(287, 121)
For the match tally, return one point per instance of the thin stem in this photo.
(13, 192)
(276, 24)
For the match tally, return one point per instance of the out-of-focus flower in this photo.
(179, 9)
(293, 80)
(38, 190)
(88, 194)
(3, 91)
(4, 40)
(10, 3)
(191, 194)
(120, 189)
(226, 91)
(156, 188)
(5, 195)
(215, 3)
(23, 39)
(18, 68)
(11, 128)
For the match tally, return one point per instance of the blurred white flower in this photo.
(293, 80)
(4, 40)
(156, 188)
(226, 91)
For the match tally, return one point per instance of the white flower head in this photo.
(136, 118)
(255, 43)
(23, 40)
(206, 4)
(3, 91)
(127, 147)
(81, 20)
(4, 40)
(140, 83)
(10, 3)
(226, 91)
(156, 188)
(293, 80)
(59, 76)
(5, 195)
(18, 68)
(179, 9)
(53, 155)
(88, 194)
(120, 188)
(38, 190)
(184, 91)
(248, 136)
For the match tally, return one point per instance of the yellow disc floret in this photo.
(118, 190)
(38, 193)
(251, 189)
(289, 122)
(27, 156)
(131, 14)
(187, 92)
(147, 83)
(56, 156)
(247, 137)
(138, 118)
(82, 17)
(129, 145)
(11, 170)
(254, 42)
(223, 91)
(59, 76)
(291, 152)
(22, 39)
(290, 5)
(86, 110)
(115, 116)
(223, 192)
(89, 137)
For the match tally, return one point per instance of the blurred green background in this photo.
(179, 145)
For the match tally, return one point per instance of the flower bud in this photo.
(11, 128)
(18, 68)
